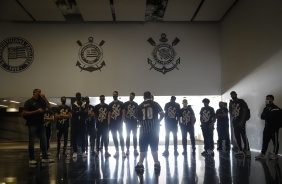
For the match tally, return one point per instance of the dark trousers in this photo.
(91, 133)
(184, 130)
(131, 127)
(65, 133)
(270, 133)
(103, 135)
(33, 131)
(223, 134)
(117, 127)
(48, 130)
(79, 133)
(171, 126)
(240, 132)
(208, 138)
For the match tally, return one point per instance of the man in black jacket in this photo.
(271, 130)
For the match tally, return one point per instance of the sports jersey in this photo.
(63, 123)
(101, 114)
(116, 111)
(90, 121)
(237, 110)
(206, 115)
(147, 113)
(48, 113)
(78, 111)
(186, 115)
(130, 108)
(171, 110)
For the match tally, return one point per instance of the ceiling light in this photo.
(14, 101)
(53, 103)
(3, 106)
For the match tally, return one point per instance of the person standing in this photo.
(271, 115)
(90, 126)
(187, 121)
(63, 115)
(171, 124)
(33, 113)
(238, 110)
(222, 126)
(102, 125)
(149, 113)
(79, 115)
(48, 119)
(131, 123)
(116, 118)
(207, 118)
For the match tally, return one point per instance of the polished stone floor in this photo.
(222, 168)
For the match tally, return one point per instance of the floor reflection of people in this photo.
(210, 176)
(242, 171)
(189, 173)
(268, 175)
(224, 169)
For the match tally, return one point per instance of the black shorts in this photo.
(146, 139)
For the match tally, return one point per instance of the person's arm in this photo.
(162, 114)
(193, 120)
(29, 113)
(45, 100)
(264, 114)
(50, 118)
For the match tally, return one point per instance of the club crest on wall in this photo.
(164, 55)
(90, 56)
(16, 54)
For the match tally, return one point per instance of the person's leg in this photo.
(43, 142)
(192, 137)
(105, 138)
(59, 135)
(184, 137)
(32, 131)
(227, 136)
(238, 136)
(114, 135)
(211, 141)
(244, 138)
(82, 138)
(48, 130)
(220, 136)
(66, 136)
(276, 141)
(120, 132)
(134, 134)
(205, 135)
(167, 133)
(174, 132)
(267, 135)
(128, 130)
(75, 133)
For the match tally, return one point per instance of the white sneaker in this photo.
(260, 156)
(116, 154)
(248, 154)
(239, 154)
(84, 155)
(123, 154)
(127, 152)
(47, 160)
(32, 162)
(74, 155)
(136, 153)
(273, 156)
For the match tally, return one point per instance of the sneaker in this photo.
(32, 162)
(239, 154)
(139, 167)
(74, 155)
(136, 152)
(107, 154)
(84, 155)
(176, 153)
(47, 160)
(157, 166)
(165, 153)
(273, 156)
(260, 156)
(248, 154)
(204, 153)
(116, 154)
(123, 155)
(127, 152)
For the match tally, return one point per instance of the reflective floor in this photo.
(223, 168)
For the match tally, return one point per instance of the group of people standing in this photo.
(97, 121)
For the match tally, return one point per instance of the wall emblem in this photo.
(90, 56)
(16, 54)
(164, 55)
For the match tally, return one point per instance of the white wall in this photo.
(252, 59)
(125, 52)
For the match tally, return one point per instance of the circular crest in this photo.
(164, 54)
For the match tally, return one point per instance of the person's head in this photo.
(36, 93)
(132, 96)
(233, 95)
(221, 104)
(185, 103)
(206, 102)
(87, 100)
(63, 100)
(102, 98)
(115, 95)
(147, 95)
(78, 96)
(172, 98)
(269, 99)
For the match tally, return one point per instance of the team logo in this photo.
(164, 55)
(16, 54)
(90, 56)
